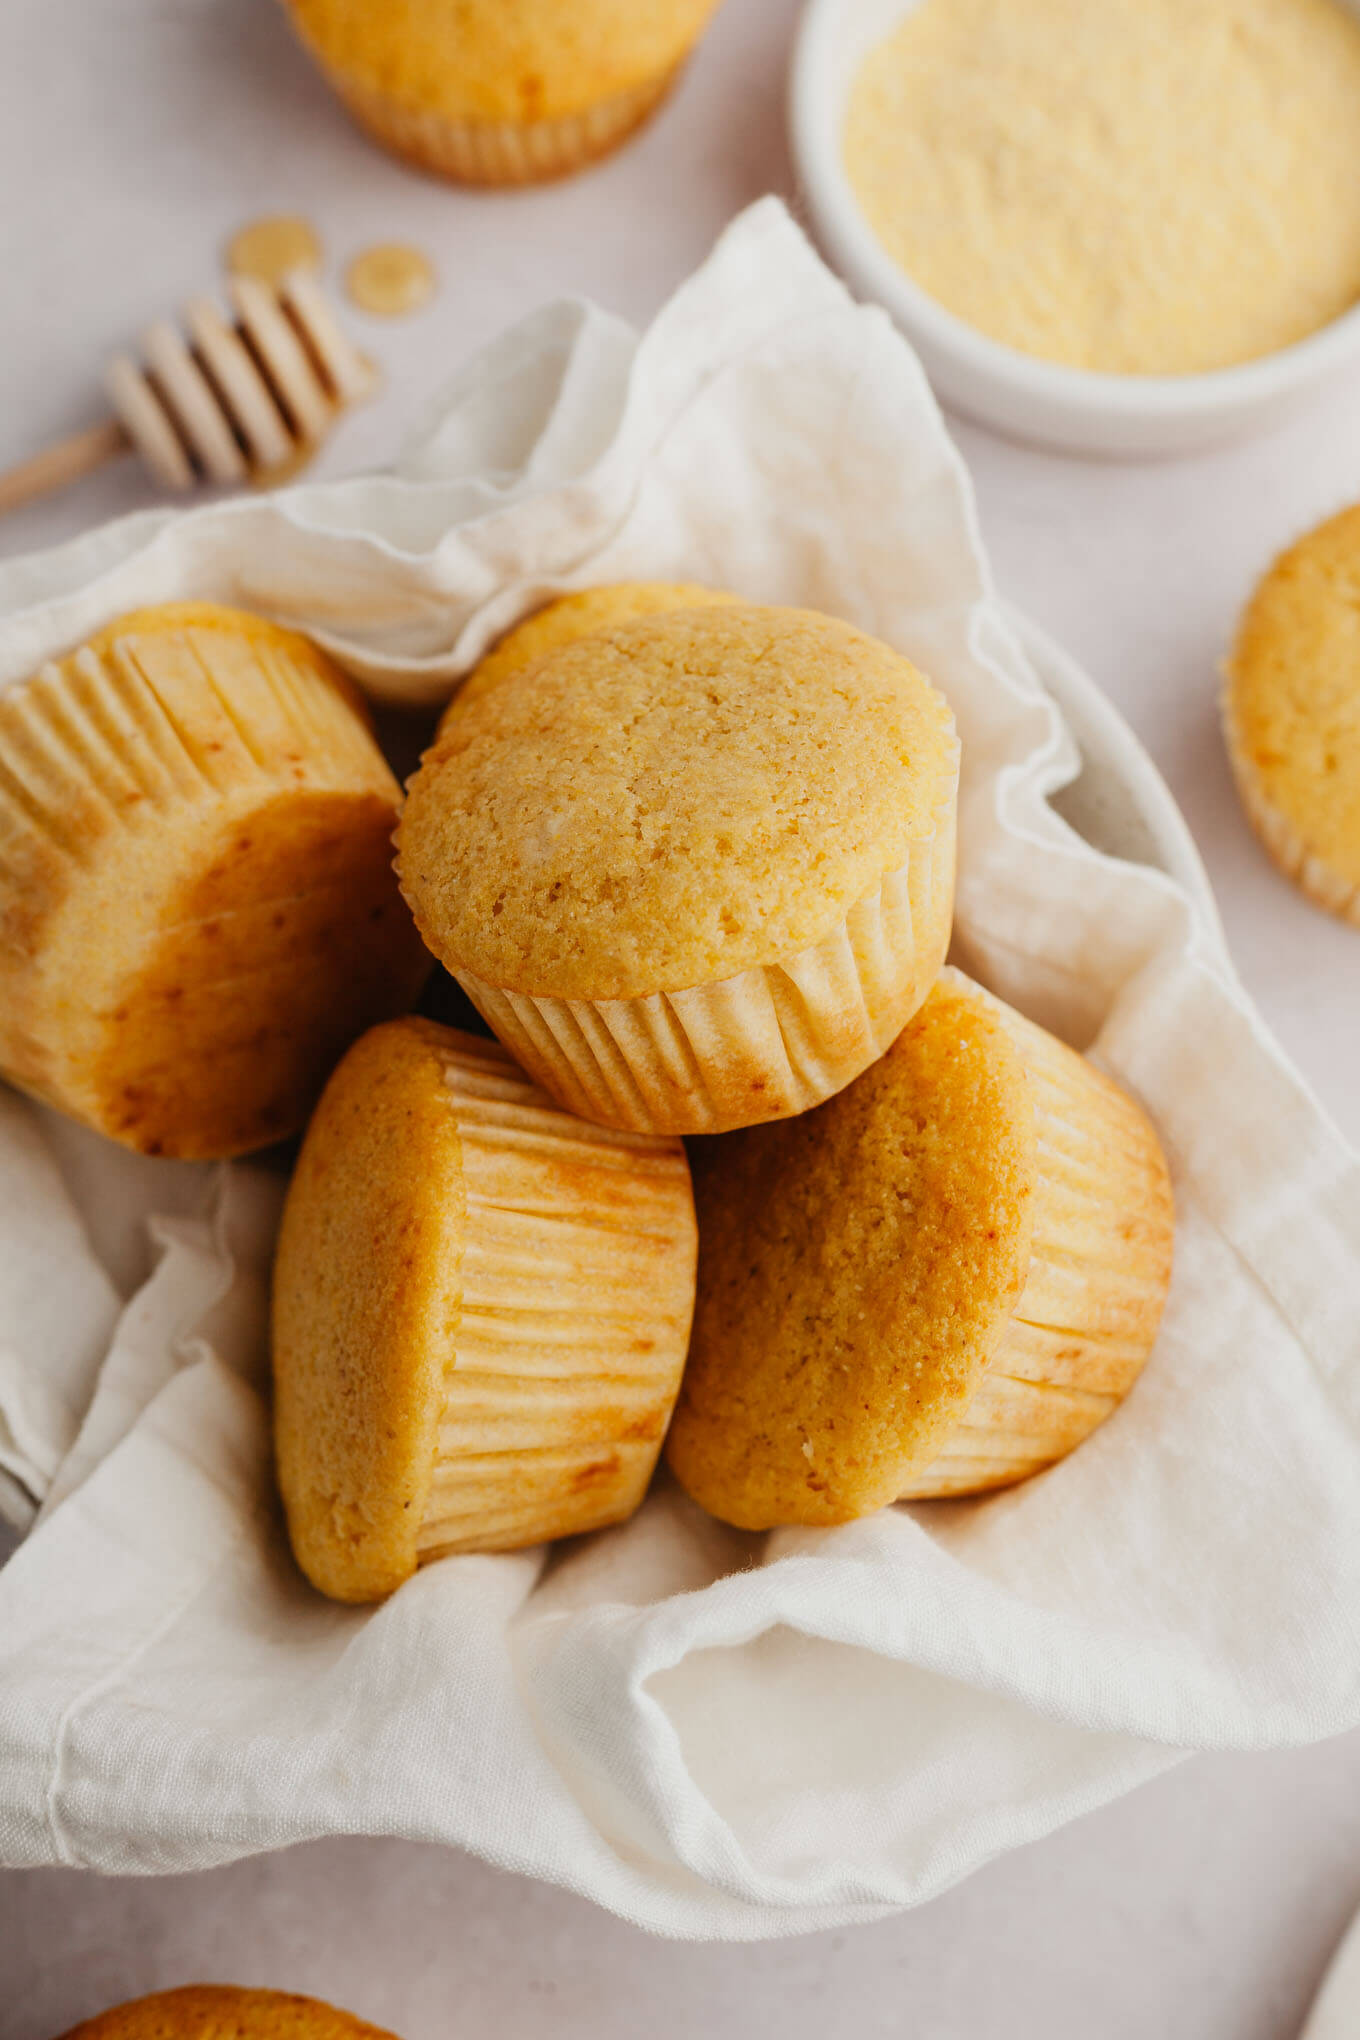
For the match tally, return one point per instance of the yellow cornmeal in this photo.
(1156, 187)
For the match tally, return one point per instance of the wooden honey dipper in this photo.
(223, 401)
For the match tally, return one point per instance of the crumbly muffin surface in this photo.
(857, 1268)
(220, 2011)
(1292, 704)
(522, 60)
(367, 1296)
(583, 614)
(672, 802)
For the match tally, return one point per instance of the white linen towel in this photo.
(713, 1734)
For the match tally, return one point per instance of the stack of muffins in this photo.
(692, 860)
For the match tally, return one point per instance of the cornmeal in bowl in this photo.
(1291, 713)
(198, 911)
(697, 870)
(937, 1283)
(481, 1309)
(1150, 188)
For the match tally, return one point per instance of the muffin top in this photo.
(517, 60)
(1293, 693)
(219, 2011)
(583, 614)
(671, 802)
(367, 1296)
(857, 1268)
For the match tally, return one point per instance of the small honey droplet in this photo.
(270, 247)
(390, 280)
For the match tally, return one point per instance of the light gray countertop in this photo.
(134, 135)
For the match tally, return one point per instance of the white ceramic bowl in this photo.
(1070, 408)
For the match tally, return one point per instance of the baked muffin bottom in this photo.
(221, 2011)
(501, 152)
(197, 906)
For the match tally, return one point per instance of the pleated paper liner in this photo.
(578, 1289)
(1098, 1275)
(500, 151)
(196, 898)
(766, 1044)
(1324, 886)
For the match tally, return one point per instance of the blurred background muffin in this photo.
(500, 91)
(223, 2011)
(1291, 713)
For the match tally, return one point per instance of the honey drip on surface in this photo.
(269, 247)
(390, 280)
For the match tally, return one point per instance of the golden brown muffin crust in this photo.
(1292, 705)
(519, 60)
(220, 2011)
(367, 1294)
(583, 614)
(857, 1267)
(198, 910)
(672, 802)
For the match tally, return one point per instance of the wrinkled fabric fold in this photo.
(715, 1735)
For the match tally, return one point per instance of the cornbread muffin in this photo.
(585, 614)
(935, 1284)
(1291, 713)
(500, 91)
(219, 2011)
(695, 871)
(197, 906)
(481, 1308)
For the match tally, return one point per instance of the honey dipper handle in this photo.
(57, 465)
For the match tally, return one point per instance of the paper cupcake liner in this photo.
(1099, 1269)
(136, 770)
(578, 1289)
(1325, 887)
(500, 151)
(767, 1044)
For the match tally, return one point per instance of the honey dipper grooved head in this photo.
(223, 399)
